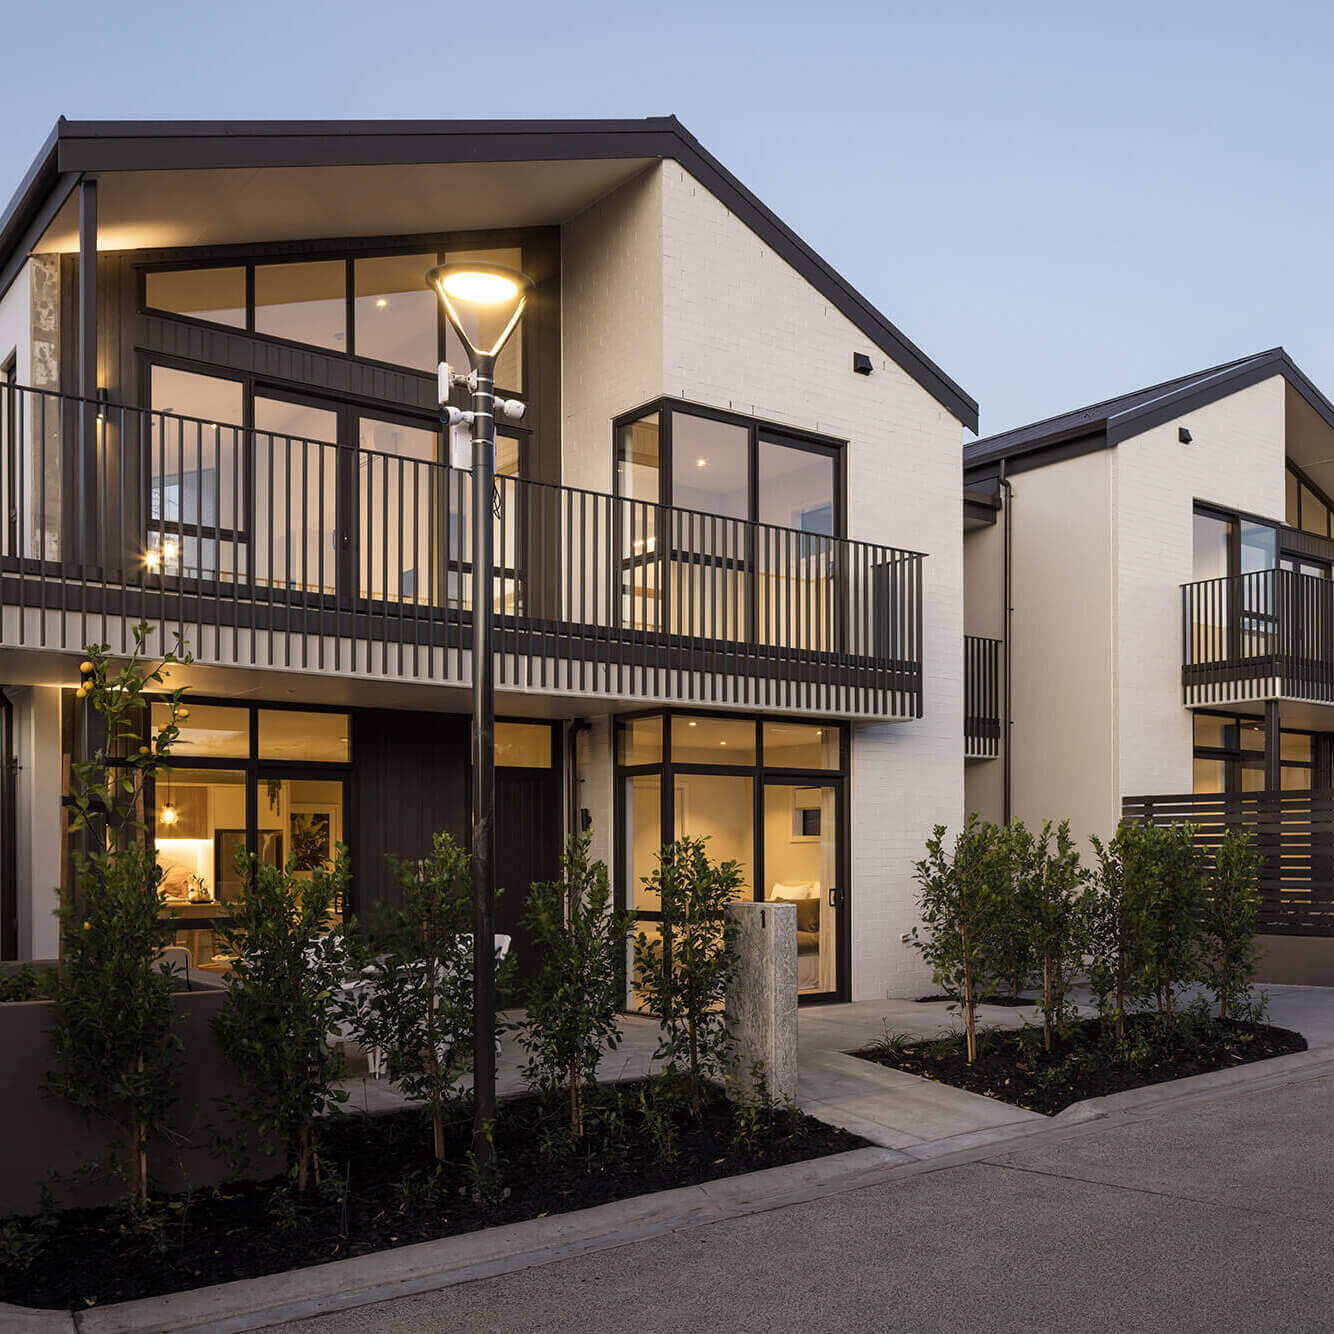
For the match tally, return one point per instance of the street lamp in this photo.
(483, 302)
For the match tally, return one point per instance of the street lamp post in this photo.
(483, 302)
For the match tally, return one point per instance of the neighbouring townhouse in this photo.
(729, 564)
(1150, 620)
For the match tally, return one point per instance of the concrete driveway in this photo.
(1213, 1213)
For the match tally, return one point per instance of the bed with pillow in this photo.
(806, 895)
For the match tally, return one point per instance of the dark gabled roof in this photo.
(92, 146)
(1103, 425)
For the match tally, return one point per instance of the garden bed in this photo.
(1085, 1062)
(393, 1197)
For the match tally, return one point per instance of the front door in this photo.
(802, 864)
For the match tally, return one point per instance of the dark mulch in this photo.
(1014, 1002)
(1085, 1062)
(393, 1197)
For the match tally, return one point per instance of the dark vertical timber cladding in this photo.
(528, 825)
(412, 776)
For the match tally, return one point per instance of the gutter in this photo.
(1007, 640)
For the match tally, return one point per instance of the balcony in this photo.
(1264, 635)
(267, 550)
(981, 697)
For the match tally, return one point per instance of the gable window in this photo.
(1308, 508)
(375, 307)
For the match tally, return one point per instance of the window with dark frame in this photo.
(1229, 755)
(375, 307)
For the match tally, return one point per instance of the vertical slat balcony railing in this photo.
(1265, 634)
(981, 697)
(266, 549)
(1293, 833)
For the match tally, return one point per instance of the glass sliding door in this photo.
(801, 866)
(296, 465)
(399, 492)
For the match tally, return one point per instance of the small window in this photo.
(395, 312)
(641, 741)
(1315, 517)
(523, 745)
(800, 746)
(292, 734)
(213, 731)
(216, 295)
(304, 302)
(1293, 493)
(712, 740)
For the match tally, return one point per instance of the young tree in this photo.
(1049, 880)
(1014, 955)
(961, 892)
(1116, 913)
(576, 994)
(1177, 883)
(283, 1000)
(1229, 922)
(114, 1036)
(417, 1006)
(684, 976)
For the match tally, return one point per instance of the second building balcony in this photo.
(268, 550)
(1264, 635)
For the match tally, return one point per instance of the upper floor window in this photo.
(375, 306)
(697, 459)
(1226, 544)
(1308, 508)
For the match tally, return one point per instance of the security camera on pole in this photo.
(483, 302)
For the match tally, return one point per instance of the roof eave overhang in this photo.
(88, 147)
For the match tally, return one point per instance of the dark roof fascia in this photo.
(1065, 425)
(1262, 367)
(26, 205)
(1190, 394)
(91, 146)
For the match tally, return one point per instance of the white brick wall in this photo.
(1236, 460)
(737, 328)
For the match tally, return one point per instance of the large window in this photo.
(1230, 755)
(748, 553)
(1308, 508)
(376, 307)
(762, 793)
(269, 782)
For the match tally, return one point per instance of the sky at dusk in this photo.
(1056, 203)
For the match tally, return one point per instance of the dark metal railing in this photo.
(1293, 832)
(981, 697)
(1260, 635)
(261, 548)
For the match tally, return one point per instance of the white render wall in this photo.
(1235, 460)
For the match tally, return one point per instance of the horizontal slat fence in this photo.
(266, 549)
(1294, 834)
(981, 696)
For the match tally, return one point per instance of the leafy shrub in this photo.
(283, 1000)
(116, 1048)
(1012, 948)
(1046, 902)
(1117, 921)
(961, 893)
(1176, 875)
(1229, 922)
(417, 1006)
(683, 978)
(576, 993)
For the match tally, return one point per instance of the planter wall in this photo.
(43, 1134)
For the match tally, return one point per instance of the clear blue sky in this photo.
(1056, 202)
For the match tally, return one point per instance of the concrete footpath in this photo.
(919, 1128)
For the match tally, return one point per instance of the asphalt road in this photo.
(1212, 1216)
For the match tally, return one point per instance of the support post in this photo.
(483, 763)
(83, 537)
(1273, 748)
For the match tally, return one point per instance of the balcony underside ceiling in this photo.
(152, 210)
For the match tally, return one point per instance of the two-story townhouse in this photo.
(729, 568)
(1151, 618)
